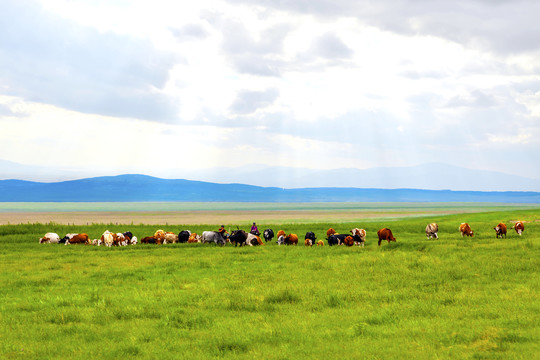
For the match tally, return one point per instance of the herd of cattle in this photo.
(240, 237)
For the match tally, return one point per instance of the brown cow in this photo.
(465, 229)
(385, 234)
(349, 241)
(160, 236)
(281, 232)
(519, 227)
(150, 240)
(330, 232)
(79, 239)
(432, 230)
(291, 239)
(194, 238)
(500, 230)
(320, 243)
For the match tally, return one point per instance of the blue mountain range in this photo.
(146, 188)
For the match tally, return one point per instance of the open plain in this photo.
(455, 297)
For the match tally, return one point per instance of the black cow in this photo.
(336, 239)
(310, 235)
(183, 236)
(238, 237)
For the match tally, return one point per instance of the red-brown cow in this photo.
(330, 232)
(150, 240)
(500, 230)
(465, 229)
(349, 241)
(385, 234)
(79, 239)
(291, 239)
(519, 227)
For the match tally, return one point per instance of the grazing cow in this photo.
(281, 239)
(500, 230)
(336, 239)
(349, 241)
(291, 239)
(121, 239)
(359, 236)
(160, 236)
(465, 229)
(243, 238)
(194, 238)
(330, 232)
(320, 243)
(281, 232)
(170, 238)
(149, 240)
(432, 230)
(66, 238)
(108, 238)
(183, 236)
(310, 238)
(238, 237)
(519, 227)
(130, 239)
(215, 237)
(253, 240)
(268, 235)
(79, 239)
(50, 238)
(385, 234)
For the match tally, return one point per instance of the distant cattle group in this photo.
(355, 236)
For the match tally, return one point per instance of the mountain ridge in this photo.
(138, 187)
(430, 176)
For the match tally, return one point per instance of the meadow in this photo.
(453, 297)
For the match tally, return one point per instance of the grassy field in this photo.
(416, 298)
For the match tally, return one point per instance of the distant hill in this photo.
(433, 176)
(147, 188)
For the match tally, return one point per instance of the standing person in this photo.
(254, 230)
(221, 229)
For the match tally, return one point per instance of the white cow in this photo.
(50, 238)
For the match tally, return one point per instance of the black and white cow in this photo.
(268, 235)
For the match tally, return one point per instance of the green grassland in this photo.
(424, 299)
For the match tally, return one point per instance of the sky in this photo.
(128, 86)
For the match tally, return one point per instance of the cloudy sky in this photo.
(153, 86)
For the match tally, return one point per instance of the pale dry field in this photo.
(199, 217)
(230, 213)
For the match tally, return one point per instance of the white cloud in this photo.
(307, 84)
